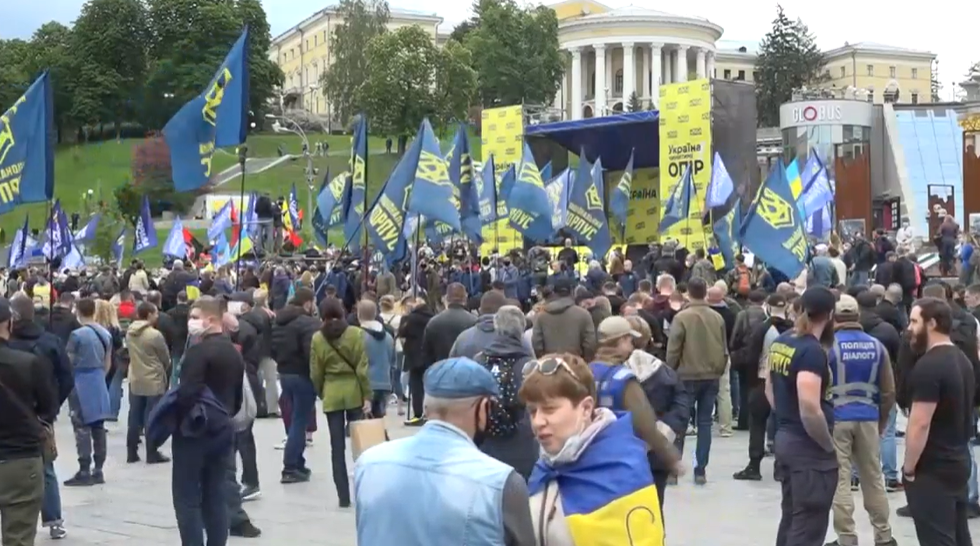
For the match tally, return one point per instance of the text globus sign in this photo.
(817, 113)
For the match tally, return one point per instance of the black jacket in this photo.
(885, 273)
(728, 315)
(31, 338)
(27, 393)
(62, 323)
(292, 333)
(262, 322)
(247, 337)
(168, 327)
(891, 314)
(746, 360)
(215, 363)
(412, 330)
(179, 314)
(888, 335)
(442, 331)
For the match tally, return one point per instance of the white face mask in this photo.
(570, 450)
(196, 327)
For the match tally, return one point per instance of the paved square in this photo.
(135, 503)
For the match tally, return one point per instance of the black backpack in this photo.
(507, 413)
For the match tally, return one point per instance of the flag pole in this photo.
(242, 153)
(365, 252)
(50, 268)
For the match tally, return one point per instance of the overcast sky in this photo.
(945, 30)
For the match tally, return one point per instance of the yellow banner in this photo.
(643, 214)
(502, 132)
(685, 139)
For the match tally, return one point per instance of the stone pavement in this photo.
(135, 503)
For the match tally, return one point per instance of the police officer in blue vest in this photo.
(863, 394)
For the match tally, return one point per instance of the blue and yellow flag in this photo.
(794, 178)
(619, 199)
(528, 203)
(216, 118)
(433, 194)
(356, 187)
(462, 176)
(726, 230)
(678, 207)
(772, 229)
(607, 494)
(559, 192)
(586, 209)
(26, 147)
(385, 223)
(316, 220)
(486, 189)
(546, 172)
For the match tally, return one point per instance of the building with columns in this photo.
(614, 53)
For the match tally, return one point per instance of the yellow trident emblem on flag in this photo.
(775, 210)
(592, 199)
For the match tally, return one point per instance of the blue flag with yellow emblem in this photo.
(678, 207)
(433, 194)
(619, 199)
(216, 118)
(462, 176)
(559, 192)
(528, 203)
(772, 229)
(356, 187)
(607, 494)
(726, 230)
(586, 210)
(486, 189)
(26, 147)
(386, 221)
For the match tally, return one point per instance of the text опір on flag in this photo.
(216, 118)
(773, 229)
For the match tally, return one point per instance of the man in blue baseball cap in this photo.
(460, 494)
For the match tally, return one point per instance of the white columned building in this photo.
(604, 45)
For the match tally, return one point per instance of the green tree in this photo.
(109, 45)
(342, 82)
(461, 30)
(15, 75)
(50, 49)
(633, 104)
(110, 224)
(456, 83)
(403, 60)
(515, 53)
(264, 75)
(788, 59)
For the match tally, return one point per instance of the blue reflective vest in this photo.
(854, 366)
(610, 384)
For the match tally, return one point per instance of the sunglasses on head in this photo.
(548, 366)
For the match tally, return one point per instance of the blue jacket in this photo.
(628, 282)
(510, 276)
(856, 363)
(207, 419)
(437, 459)
(380, 348)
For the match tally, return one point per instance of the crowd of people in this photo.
(553, 402)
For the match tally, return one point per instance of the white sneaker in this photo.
(309, 442)
(281, 445)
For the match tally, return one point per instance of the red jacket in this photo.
(127, 310)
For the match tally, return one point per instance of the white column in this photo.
(700, 66)
(656, 69)
(563, 97)
(629, 72)
(711, 64)
(576, 105)
(680, 68)
(645, 84)
(668, 70)
(600, 79)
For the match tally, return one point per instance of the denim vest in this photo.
(456, 491)
(610, 383)
(854, 365)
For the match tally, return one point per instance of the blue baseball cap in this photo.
(456, 378)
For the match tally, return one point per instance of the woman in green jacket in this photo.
(339, 370)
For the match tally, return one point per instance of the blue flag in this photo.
(486, 188)
(174, 245)
(26, 148)
(819, 223)
(721, 186)
(387, 223)
(222, 251)
(144, 236)
(678, 207)
(811, 169)
(433, 194)
(772, 229)
(587, 211)
(318, 222)
(73, 260)
(221, 221)
(216, 118)
(619, 199)
(18, 250)
(462, 176)
(504, 183)
(818, 193)
(528, 203)
(559, 191)
(546, 172)
(356, 187)
(118, 247)
(87, 233)
(726, 230)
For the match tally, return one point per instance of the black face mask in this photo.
(480, 436)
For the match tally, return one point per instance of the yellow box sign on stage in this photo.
(643, 213)
(685, 139)
(502, 132)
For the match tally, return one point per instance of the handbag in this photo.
(49, 446)
(349, 365)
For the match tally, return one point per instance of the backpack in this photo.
(507, 413)
(743, 276)
(246, 415)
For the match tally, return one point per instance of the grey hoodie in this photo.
(476, 338)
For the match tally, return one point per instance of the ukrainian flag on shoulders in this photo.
(607, 494)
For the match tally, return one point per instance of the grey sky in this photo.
(946, 30)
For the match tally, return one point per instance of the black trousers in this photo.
(337, 422)
(416, 390)
(745, 386)
(808, 496)
(758, 414)
(939, 512)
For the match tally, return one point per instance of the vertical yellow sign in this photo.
(643, 213)
(502, 131)
(685, 140)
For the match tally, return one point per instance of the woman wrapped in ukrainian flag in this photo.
(592, 485)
